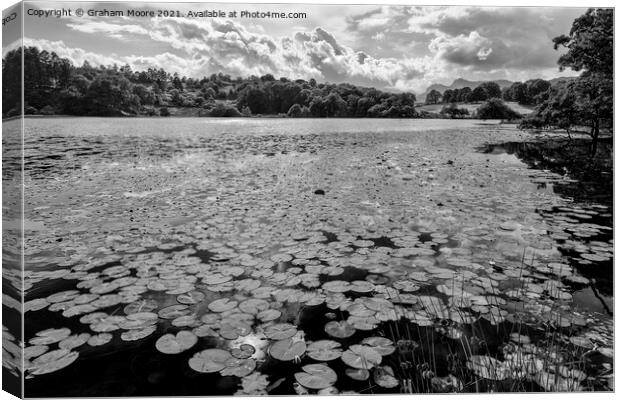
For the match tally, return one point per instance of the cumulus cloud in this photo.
(226, 46)
(316, 53)
(462, 49)
(506, 37)
(390, 47)
(508, 42)
(76, 55)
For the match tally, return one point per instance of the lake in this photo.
(207, 256)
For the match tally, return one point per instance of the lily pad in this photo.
(316, 376)
(253, 306)
(74, 341)
(175, 344)
(384, 377)
(49, 336)
(35, 351)
(174, 311)
(209, 361)
(222, 305)
(381, 345)
(269, 315)
(138, 334)
(53, 361)
(280, 331)
(324, 350)
(238, 367)
(361, 357)
(357, 374)
(100, 339)
(192, 297)
(339, 329)
(231, 330)
(243, 351)
(63, 296)
(287, 349)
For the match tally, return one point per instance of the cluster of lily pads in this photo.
(234, 275)
(231, 301)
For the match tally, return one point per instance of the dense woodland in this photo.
(528, 93)
(53, 85)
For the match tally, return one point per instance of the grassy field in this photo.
(471, 107)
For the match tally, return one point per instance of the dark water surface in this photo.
(476, 268)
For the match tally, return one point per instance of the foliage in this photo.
(531, 92)
(457, 95)
(297, 111)
(323, 100)
(433, 97)
(558, 110)
(224, 110)
(496, 109)
(590, 43)
(491, 90)
(453, 111)
(52, 82)
(587, 100)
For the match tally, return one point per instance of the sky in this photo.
(395, 48)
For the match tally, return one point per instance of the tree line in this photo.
(53, 85)
(529, 93)
(483, 92)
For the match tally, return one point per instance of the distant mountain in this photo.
(460, 83)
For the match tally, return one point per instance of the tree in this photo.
(224, 110)
(255, 98)
(453, 111)
(11, 81)
(516, 92)
(294, 111)
(491, 89)
(590, 50)
(449, 96)
(558, 110)
(464, 94)
(433, 97)
(478, 94)
(496, 109)
(589, 43)
(535, 88)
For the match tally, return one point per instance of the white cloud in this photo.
(462, 49)
(76, 55)
(399, 48)
(484, 53)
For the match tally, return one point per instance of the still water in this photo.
(252, 256)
